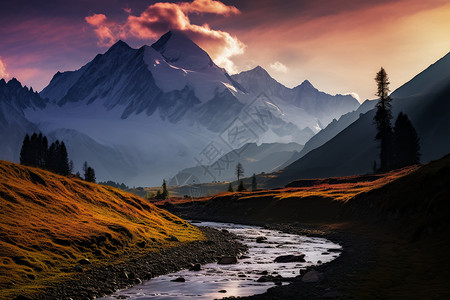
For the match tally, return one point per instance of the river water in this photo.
(216, 281)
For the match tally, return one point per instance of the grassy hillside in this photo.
(49, 222)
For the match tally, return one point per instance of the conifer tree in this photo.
(254, 183)
(63, 160)
(241, 186)
(406, 143)
(382, 120)
(165, 191)
(25, 151)
(90, 175)
(230, 187)
(239, 171)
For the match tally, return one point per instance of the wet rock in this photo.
(334, 250)
(179, 279)
(137, 281)
(141, 244)
(196, 267)
(227, 260)
(265, 278)
(84, 261)
(261, 239)
(263, 273)
(21, 297)
(173, 239)
(312, 276)
(123, 275)
(332, 295)
(244, 257)
(148, 276)
(78, 268)
(222, 291)
(290, 258)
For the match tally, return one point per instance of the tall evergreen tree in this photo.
(25, 158)
(230, 187)
(406, 144)
(254, 183)
(382, 120)
(239, 171)
(63, 160)
(165, 191)
(89, 176)
(241, 186)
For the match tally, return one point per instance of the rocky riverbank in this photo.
(332, 280)
(96, 281)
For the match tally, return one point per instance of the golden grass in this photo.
(48, 222)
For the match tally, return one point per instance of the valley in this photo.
(208, 149)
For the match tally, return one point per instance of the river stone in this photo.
(173, 239)
(227, 260)
(78, 268)
(84, 261)
(179, 279)
(261, 239)
(196, 267)
(312, 276)
(290, 258)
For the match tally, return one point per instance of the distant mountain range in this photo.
(141, 115)
(348, 146)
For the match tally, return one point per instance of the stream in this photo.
(216, 281)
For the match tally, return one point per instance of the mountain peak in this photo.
(259, 71)
(119, 45)
(179, 49)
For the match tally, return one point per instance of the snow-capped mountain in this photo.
(310, 102)
(141, 115)
(425, 99)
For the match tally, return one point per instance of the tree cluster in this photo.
(35, 152)
(165, 192)
(118, 185)
(399, 146)
(89, 173)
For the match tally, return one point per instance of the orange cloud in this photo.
(161, 17)
(107, 32)
(3, 73)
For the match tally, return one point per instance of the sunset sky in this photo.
(338, 45)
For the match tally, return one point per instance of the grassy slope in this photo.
(48, 222)
(406, 213)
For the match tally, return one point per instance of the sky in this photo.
(338, 45)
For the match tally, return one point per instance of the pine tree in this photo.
(230, 187)
(165, 191)
(158, 195)
(25, 151)
(85, 166)
(71, 167)
(382, 120)
(406, 143)
(63, 160)
(239, 171)
(89, 176)
(241, 186)
(254, 183)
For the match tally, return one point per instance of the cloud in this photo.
(107, 32)
(161, 17)
(3, 73)
(278, 67)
